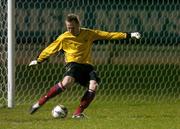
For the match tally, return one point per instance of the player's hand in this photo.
(135, 35)
(34, 62)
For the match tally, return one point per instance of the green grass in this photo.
(101, 116)
(148, 100)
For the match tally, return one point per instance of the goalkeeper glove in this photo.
(34, 62)
(135, 35)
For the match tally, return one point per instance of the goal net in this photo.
(3, 52)
(131, 71)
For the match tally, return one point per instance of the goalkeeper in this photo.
(76, 43)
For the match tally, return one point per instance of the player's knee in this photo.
(93, 85)
(68, 81)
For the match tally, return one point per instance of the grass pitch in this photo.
(101, 116)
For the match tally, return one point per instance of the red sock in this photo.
(85, 101)
(55, 90)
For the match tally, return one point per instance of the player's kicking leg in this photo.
(55, 90)
(86, 100)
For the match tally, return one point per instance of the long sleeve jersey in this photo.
(78, 48)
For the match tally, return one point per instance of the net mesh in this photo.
(3, 52)
(131, 71)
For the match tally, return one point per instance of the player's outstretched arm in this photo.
(54, 47)
(135, 35)
(99, 35)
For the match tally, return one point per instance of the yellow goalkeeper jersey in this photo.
(78, 48)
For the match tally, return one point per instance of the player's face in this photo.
(73, 27)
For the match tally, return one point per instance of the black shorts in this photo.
(82, 73)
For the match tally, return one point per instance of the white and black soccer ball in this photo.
(59, 111)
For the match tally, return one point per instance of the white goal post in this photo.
(11, 52)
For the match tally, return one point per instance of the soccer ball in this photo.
(59, 111)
